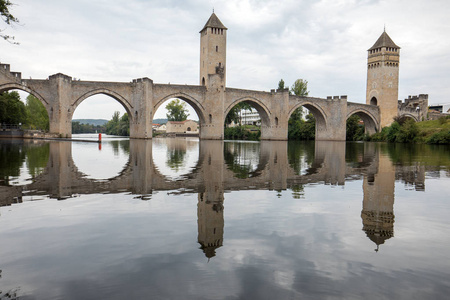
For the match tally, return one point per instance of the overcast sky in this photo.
(324, 42)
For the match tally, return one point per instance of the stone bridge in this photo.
(61, 95)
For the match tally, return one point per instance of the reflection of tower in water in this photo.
(210, 222)
(378, 204)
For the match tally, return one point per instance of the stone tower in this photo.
(382, 77)
(213, 50)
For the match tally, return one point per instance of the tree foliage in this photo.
(281, 85)
(176, 110)
(8, 18)
(354, 130)
(241, 133)
(78, 127)
(37, 116)
(12, 110)
(118, 125)
(298, 128)
(300, 88)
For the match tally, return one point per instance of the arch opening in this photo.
(177, 115)
(245, 120)
(100, 112)
(305, 121)
(22, 110)
(358, 125)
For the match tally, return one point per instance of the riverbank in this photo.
(408, 131)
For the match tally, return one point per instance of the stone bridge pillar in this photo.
(277, 126)
(59, 97)
(140, 119)
(334, 127)
(212, 127)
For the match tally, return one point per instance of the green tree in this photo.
(300, 88)
(354, 130)
(37, 116)
(177, 110)
(124, 125)
(12, 110)
(281, 85)
(118, 125)
(232, 116)
(8, 18)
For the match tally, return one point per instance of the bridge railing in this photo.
(11, 126)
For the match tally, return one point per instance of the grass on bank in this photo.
(405, 130)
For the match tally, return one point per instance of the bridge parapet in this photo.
(8, 76)
(343, 97)
(5, 67)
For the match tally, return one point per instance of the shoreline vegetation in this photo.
(402, 130)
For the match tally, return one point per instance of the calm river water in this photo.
(190, 219)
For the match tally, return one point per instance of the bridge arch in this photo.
(15, 86)
(260, 107)
(416, 118)
(194, 103)
(370, 121)
(119, 98)
(318, 113)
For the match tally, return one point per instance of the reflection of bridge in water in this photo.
(212, 177)
(62, 179)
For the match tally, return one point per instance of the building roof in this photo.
(213, 22)
(384, 41)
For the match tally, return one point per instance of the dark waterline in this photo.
(190, 219)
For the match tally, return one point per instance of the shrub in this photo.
(441, 137)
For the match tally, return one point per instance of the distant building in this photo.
(250, 117)
(161, 128)
(187, 126)
(442, 108)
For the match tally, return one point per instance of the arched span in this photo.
(408, 115)
(317, 111)
(196, 105)
(370, 122)
(125, 103)
(15, 86)
(260, 107)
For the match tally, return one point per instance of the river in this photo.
(175, 218)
